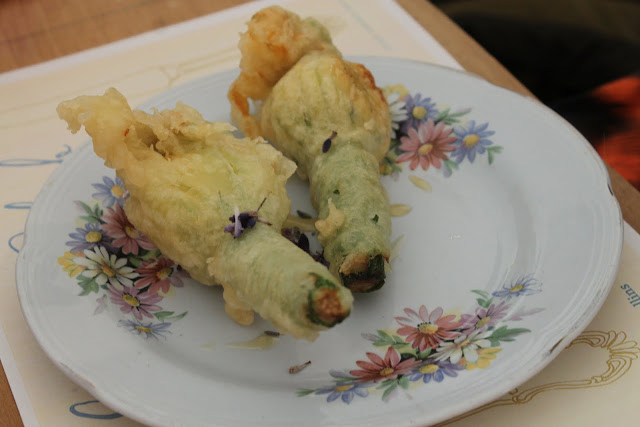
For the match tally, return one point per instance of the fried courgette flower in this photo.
(327, 115)
(273, 43)
(215, 205)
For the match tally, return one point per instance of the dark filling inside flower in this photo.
(302, 241)
(370, 279)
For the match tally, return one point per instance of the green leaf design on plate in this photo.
(88, 285)
(505, 334)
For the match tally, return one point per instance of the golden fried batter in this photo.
(274, 42)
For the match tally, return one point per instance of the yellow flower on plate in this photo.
(67, 261)
(400, 89)
(485, 356)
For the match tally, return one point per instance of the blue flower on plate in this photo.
(150, 329)
(435, 370)
(110, 191)
(419, 111)
(344, 388)
(525, 285)
(88, 238)
(471, 140)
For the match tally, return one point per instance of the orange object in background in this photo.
(620, 147)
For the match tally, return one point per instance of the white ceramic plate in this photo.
(516, 232)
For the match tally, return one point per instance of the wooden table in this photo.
(33, 31)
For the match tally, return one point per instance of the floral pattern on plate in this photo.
(431, 346)
(110, 258)
(430, 136)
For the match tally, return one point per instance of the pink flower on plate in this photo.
(484, 317)
(158, 275)
(131, 300)
(387, 368)
(426, 146)
(427, 330)
(123, 233)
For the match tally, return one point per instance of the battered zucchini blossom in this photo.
(185, 177)
(327, 115)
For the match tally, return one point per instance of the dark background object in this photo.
(579, 57)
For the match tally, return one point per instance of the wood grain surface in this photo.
(32, 31)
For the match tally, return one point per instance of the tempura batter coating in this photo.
(274, 42)
(320, 94)
(186, 177)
